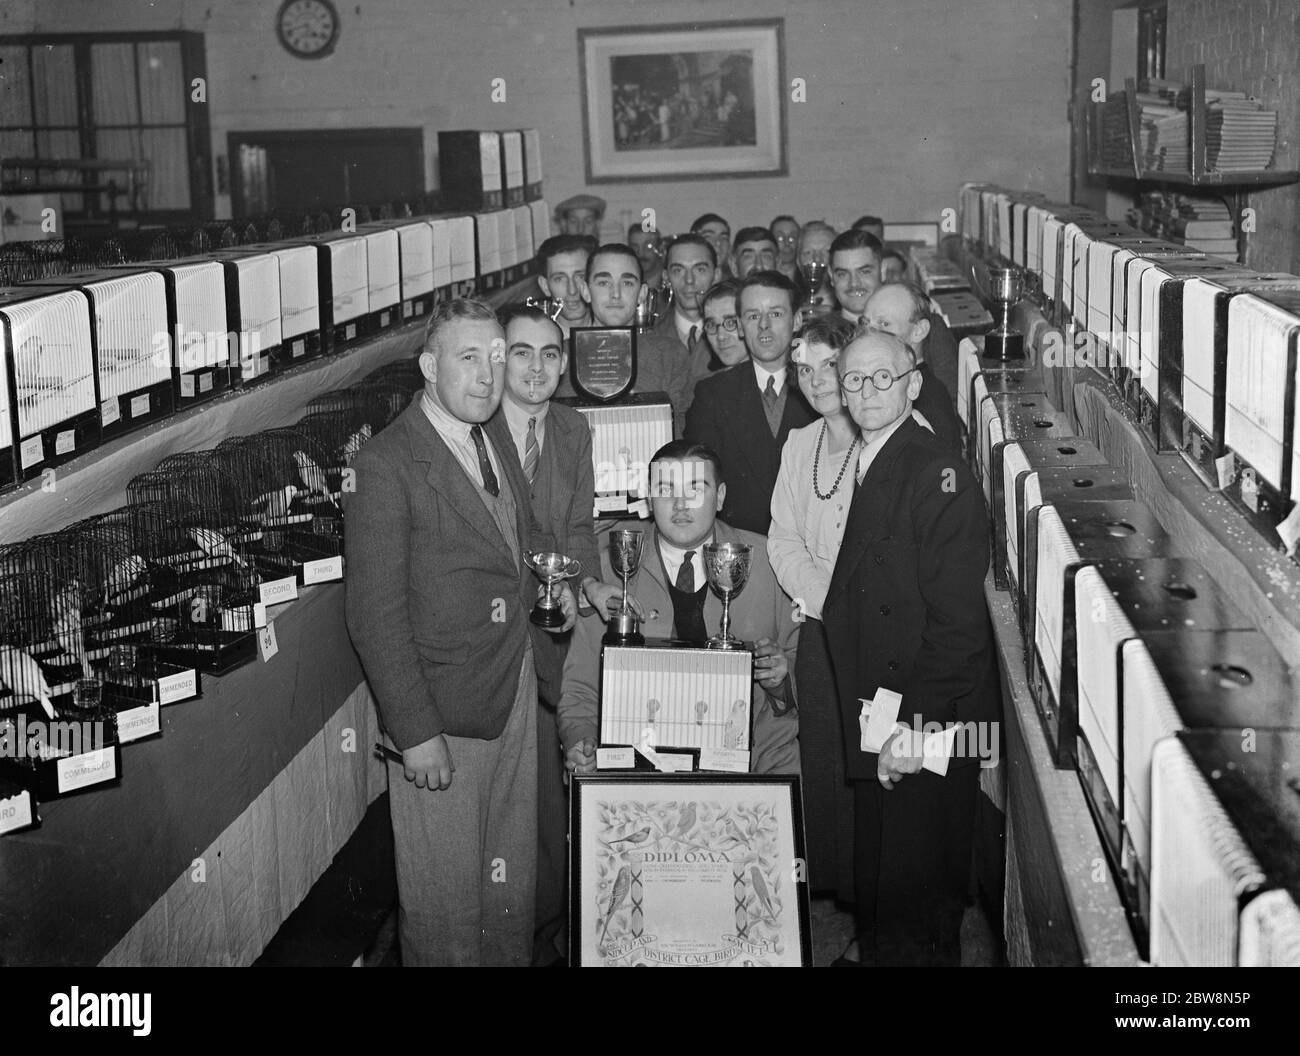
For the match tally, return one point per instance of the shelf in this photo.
(1266, 178)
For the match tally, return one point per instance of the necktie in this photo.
(530, 451)
(686, 574)
(490, 484)
(770, 399)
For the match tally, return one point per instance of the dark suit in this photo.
(728, 416)
(939, 349)
(935, 403)
(906, 611)
(562, 494)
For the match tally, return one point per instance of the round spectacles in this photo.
(881, 379)
(731, 323)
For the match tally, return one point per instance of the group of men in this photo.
(487, 710)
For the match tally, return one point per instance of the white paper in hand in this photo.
(879, 714)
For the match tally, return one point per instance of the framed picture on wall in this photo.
(687, 870)
(681, 102)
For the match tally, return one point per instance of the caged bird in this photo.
(68, 631)
(120, 583)
(312, 476)
(23, 675)
(214, 544)
(617, 896)
(354, 443)
(275, 503)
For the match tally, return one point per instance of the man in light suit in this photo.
(438, 598)
(905, 612)
(687, 491)
(691, 267)
(746, 412)
(553, 444)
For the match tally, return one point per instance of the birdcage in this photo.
(289, 498)
(405, 371)
(385, 399)
(52, 711)
(185, 522)
(341, 432)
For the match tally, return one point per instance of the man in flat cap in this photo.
(580, 215)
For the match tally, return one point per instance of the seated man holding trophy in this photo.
(691, 574)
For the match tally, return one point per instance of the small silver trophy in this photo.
(625, 557)
(726, 567)
(550, 568)
(1004, 341)
(651, 306)
(813, 273)
(552, 306)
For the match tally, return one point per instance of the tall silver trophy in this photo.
(726, 567)
(813, 272)
(550, 568)
(625, 557)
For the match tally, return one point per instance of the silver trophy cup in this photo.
(814, 274)
(625, 557)
(551, 569)
(726, 567)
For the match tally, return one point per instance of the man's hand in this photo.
(429, 764)
(770, 664)
(581, 758)
(567, 606)
(606, 598)
(900, 755)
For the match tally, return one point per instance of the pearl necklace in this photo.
(817, 459)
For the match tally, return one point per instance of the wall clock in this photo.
(308, 29)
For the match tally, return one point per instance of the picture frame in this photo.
(687, 870)
(688, 101)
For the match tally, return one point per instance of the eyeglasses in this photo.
(731, 323)
(881, 379)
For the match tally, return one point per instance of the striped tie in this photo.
(530, 451)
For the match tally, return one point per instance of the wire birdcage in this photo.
(42, 642)
(405, 371)
(384, 399)
(342, 432)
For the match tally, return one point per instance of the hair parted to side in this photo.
(723, 288)
(557, 244)
(687, 451)
(691, 240)
(621, 249)
(450, 312)
(770, 280)
(511, 312)
(832, 331)
(856, 238)
(708, 218)
(751, 234)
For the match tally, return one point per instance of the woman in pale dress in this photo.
(810, 505)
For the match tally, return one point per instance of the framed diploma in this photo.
(687, 871)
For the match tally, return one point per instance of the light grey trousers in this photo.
(467, 856)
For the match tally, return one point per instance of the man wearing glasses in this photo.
(905, 612)
(746, 412)
(725, 341)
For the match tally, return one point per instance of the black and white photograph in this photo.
(663, 484)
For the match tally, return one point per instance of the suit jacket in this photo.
(906, 608)
(664, 365)
(728, 416)
(760, 610)
(698, 353)
(437, 605)
(936, 404)
(562, 495)
(939, 349)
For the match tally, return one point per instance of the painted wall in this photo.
(905, 99)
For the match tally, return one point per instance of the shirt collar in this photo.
(675, 555)
(761, 374)
(869, 451)
(684, 327)
(443, 420)
(517, 417)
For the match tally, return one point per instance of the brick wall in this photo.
(906, 98)
(1251, 46)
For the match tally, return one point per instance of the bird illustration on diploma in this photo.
(24, 677)
(686, 820)
(634, 839)
(760, 892)
(622, 885)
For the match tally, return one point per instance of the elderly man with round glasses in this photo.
(905, 617)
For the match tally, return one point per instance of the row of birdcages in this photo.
(122, 612)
